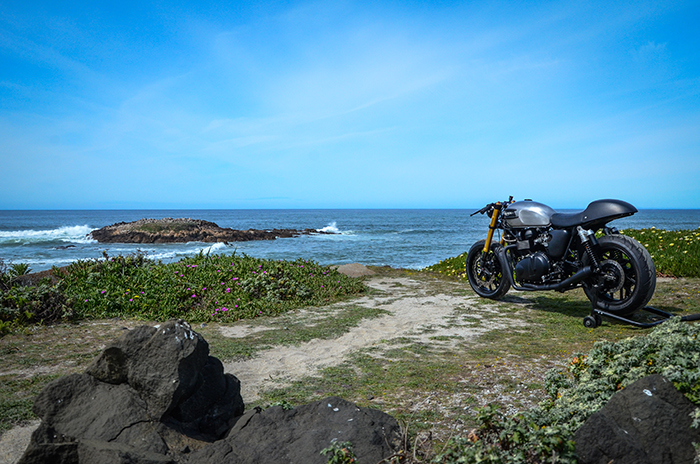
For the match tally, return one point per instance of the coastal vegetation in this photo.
(202, 288)
(545, 433)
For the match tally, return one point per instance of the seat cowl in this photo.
(596, 215)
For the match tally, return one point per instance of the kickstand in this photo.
(596, 317)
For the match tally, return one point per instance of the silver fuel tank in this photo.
(528, 213)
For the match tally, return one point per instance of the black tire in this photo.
(484, 271)
(590, 322)
(628, 280)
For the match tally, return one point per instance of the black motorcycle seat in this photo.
(564, 220)
(596, 215)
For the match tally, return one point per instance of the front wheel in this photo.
(627, 277)
(484, 271)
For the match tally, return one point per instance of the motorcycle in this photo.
(540, 249)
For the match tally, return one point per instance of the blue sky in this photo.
(179, 104)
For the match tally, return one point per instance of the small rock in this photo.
(355, 270)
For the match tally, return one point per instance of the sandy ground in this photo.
(415, 310)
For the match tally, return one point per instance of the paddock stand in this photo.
(596, 317)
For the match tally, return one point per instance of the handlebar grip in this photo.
(482, 210)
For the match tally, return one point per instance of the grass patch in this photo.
(675, 252)
(17, 398)
(34, 356)
(545, 433)
(441, 388)
(451, 267)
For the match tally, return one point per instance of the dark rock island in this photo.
(169, 230)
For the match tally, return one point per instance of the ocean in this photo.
(400, 238)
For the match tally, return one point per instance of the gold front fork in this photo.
(492, 227)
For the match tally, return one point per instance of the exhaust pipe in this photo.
(581, 275)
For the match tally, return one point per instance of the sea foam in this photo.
(331, 228)
(189, 251)
(72, 234)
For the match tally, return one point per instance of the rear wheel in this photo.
(484, 271)
(627, 279)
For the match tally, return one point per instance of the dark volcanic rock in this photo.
(156, 396)
(171, 368)
(300, 434)
(648, 422)
(149, 394)
(169, 230)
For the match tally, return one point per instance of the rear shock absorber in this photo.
(587, 237)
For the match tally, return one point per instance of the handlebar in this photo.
(483, 210)
(492, 205)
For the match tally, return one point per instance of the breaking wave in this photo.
(71, 234)
(331, 228)
(169, 255)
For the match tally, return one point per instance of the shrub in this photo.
(42, 303)
(340, 453)
(545, 433)
(21, 305)
(201, 288)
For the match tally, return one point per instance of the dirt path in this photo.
(415, 310)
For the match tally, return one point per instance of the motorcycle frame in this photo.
(566, 284)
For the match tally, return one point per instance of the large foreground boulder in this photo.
(156, 396)
(276, 435)
(147, 395)
(648, 422)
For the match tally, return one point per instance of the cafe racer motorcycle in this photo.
(540, 249)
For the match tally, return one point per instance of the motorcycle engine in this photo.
(532, 268)
(539, 253)
(538, 245)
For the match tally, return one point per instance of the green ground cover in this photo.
(675, 253)
(545, 433)
(202, 288)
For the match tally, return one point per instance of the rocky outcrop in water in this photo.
(182, 230)
(156, 396)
